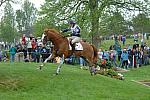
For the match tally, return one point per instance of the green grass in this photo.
(22, 81)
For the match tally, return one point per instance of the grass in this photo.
(22, 81)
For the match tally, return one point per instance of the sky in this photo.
(37, 4)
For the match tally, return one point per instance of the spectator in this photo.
(44, 53)
(113, 55)
(1, 55)
(124, 57)
(19, 54)
(119, 52)
(145, 54)
(34, 46)
(29, 47)
(106, 55)
(100, 54)
(23, 41)
(82, 62)
(138, 57)
(25, 52)
(123, 40)
(12, 53)
(37, 53)
(136, 37)
(68, 60)
(130, 52)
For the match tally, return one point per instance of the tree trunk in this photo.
(93, 5)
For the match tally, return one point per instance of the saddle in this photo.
(75, 47)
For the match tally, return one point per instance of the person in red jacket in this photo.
(23, 39)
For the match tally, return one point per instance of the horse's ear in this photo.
(46, 30)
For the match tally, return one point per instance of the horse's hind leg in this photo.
(59, 66)
(92, 68)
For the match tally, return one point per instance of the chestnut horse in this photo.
(61, 48)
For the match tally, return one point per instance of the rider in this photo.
(75, 32)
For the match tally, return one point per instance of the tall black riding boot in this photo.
(73, 47)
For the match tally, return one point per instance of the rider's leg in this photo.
(76, 39)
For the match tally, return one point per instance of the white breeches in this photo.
(75, 39)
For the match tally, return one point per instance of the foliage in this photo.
(141, 23)
(29, 13)
(20, 19)
(118, 22)
(8, 24)
(4, 1)
(26, 17)
(91, 14)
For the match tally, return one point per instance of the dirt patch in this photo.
(144, 82)
(120, 70)
(10, 83)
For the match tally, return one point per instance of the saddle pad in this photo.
(78, 46)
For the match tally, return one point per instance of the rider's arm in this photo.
(65, 30)
(77, 29)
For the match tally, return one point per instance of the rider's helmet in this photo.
(71, 22)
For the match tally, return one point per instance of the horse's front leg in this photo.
(60, 64)
(49, 58)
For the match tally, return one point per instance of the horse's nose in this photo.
(43, 35)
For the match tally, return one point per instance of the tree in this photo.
(117, 24)
(141, 23)
(4, 1)
(20, 19)
(8, 23)
(26, 17)
(39, 26)
(88, 13)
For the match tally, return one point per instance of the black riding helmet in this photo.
(71, 22)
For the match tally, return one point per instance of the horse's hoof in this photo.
(41, 66)
(56, 74)
(37, 68)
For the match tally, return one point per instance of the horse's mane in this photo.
(56, 32)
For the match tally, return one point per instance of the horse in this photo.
(61, 49)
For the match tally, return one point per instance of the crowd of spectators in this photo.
(27, 49)
(132, 56)
(31, 49)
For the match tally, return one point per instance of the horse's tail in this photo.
(95, 54)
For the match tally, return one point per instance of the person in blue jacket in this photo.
(12, 51)
(124, 58)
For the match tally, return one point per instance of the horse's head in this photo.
(52, 35)
(44, 36)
